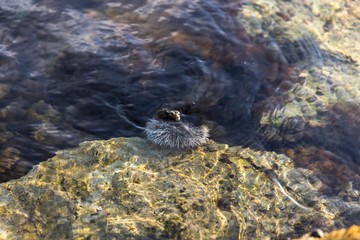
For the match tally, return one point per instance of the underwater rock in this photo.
(4, 90)
(313, 118)
(130, 188)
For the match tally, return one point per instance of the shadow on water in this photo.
(63, 66)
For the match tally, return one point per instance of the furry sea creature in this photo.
(176, 134)
(168, 130)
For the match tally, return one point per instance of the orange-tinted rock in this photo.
(352, 233)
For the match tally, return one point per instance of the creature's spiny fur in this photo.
(176, 134)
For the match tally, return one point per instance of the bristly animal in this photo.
(166, 129)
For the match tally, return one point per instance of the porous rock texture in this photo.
(128, 188)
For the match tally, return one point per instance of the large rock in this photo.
(129, 189)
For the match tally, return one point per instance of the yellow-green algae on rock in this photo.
(130, 189)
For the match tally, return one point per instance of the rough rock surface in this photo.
(131, 189)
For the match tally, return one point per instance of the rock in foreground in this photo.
(352, 233)
(130, 189)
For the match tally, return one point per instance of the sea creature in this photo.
(168, 130)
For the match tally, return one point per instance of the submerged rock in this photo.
(132, 189)
(314, 117)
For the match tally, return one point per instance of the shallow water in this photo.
(71, 71)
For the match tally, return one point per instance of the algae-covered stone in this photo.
(130, 189)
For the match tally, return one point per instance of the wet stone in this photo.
(141, 191)
(311, 99)
(4, 90)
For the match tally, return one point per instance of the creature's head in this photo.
(165, 114)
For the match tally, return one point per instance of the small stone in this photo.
(311, 99)
(4, 90)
